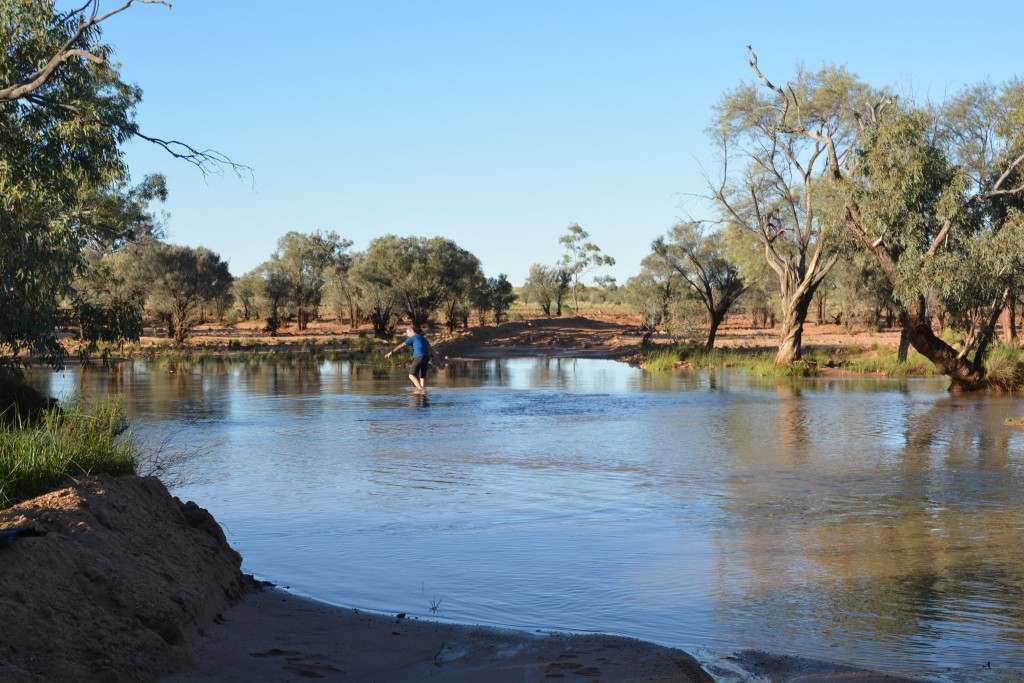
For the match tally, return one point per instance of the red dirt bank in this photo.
(125, 575)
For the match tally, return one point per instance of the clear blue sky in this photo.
(495, 124)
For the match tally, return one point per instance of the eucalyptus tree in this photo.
(50, 151)
(493, 295)
(859, 292)
(106, 304)
(103, 301)
(180, 280)
(342, 293)
(580, 257)
(64, 114)
(274, 289)
(308, 260)
(651, 292)
(379, 302)
(65, 89)
(372, 281)
(112, 216)
(416, 276)
(502, 296)
(760, 298)
(456, 273)
(246, 289)
(697, 257)
(547, 287)
(937, 197)
(1010, 320)
(771, 183)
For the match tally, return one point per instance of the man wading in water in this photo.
(420, 357)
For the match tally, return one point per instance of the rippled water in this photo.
(874, 522)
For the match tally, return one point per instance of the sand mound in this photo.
(124, 574)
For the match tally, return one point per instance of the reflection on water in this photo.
(876, 522)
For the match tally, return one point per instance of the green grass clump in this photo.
(61, 445)
(1004, 369)
(380, 364)
(876, 360)
(661, 359)
(885, 361)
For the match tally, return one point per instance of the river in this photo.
(874, 522)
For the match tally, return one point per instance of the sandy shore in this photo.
(275, 636)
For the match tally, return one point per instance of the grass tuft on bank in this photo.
(1004, 367)
(661, 358)
(62, 444)
(875, 360)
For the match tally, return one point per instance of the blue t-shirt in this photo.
(420, 345)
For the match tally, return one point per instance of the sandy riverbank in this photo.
(130, 584)
(275, 636)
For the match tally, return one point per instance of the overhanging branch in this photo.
(208, 161)
(39, 77)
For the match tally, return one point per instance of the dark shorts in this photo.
(419, 366)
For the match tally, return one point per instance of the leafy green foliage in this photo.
(777, 142)
(246, 289)
(180, 279)
(307, 261)
(64, 187)
(58, 142)
(697, 258)
(417, 276)
(936, 196)
(493, 295)
(649, 295)
(547, 287)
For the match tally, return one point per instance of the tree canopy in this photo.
(65, 112)
(696, 256)
(579, 258)
(776, 142)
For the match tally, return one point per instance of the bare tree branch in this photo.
(1006, 174)
(753, 65)
(38, 78)
(208, 161)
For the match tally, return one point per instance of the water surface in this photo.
(873, 522)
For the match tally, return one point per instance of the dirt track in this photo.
(547, 336)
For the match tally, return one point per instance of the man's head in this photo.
(409, 331)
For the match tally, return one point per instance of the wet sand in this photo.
(275, 636)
